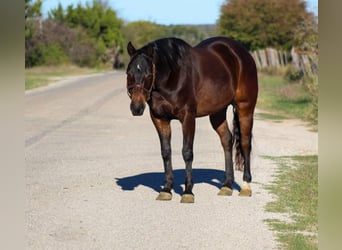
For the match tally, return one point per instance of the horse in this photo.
(183, 82)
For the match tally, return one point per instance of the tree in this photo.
(143, 32)
(262, 23)
(99, 22)
(32, 32)
(190, 34)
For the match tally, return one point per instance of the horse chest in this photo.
(162, 108)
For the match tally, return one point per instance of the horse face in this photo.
(139, 80)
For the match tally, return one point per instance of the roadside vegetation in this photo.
(44, 75)
(285, 98)
(296, 189)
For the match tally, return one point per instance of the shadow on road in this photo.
(155, 180)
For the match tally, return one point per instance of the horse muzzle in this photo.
(137, 109)
(138, 99)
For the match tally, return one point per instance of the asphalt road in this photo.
(93, 172)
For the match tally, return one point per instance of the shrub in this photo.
(53, 54)
(292, 74)
(311, 84)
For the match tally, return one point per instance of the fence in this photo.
(305, 61)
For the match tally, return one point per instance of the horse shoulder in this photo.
(160, 106)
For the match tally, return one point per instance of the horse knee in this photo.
(187, 154)
(166, 153)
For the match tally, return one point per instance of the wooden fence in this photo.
(305, 61)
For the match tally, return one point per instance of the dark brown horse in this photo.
(181, 82)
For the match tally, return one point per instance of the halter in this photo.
(149, 91)
(153, 82)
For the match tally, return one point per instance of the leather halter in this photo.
(149, 91)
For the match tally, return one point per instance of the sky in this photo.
(163, 11)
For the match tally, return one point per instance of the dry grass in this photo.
(42, 76)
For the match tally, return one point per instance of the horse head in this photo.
(140, 77)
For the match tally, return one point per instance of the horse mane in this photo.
(170, 51)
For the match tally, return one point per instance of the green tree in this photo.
(32, 32)
(190, 34)
(262, 23)
(57, 14)
(100, 23)
(143, 32)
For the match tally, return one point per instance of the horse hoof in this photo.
(245, 192)
(164, 196)
(225, 191)
(188, 198)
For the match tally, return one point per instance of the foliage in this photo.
(32, 13)
(98, 20)
(311, 84)
(262, 23)
(32, 20)
(80, 48)
(306, 40)
(292, 74)
(53, 54)
(92, 34)
(190, 34)
(88, 35)
(142, 32)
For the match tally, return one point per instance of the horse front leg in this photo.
(164, 133)
(188, 127)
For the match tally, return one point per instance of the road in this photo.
(93, 172)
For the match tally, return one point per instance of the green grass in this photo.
(296, 189)
(42, 76)
(282, 99)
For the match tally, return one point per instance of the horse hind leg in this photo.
(219, 123)
(243, 119)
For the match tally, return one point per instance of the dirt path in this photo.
(93, 171)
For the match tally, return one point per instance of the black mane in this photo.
(169, 51)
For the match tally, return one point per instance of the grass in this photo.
(296, 189)
(42, 76)
(282, 99)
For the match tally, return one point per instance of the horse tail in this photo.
(239, 160)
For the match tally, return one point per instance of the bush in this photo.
(292, 74)
(311, 84)
(53, 54)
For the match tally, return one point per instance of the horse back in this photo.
(226, 72)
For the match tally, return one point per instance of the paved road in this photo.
(93, 172)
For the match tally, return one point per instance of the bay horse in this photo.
(182, 82)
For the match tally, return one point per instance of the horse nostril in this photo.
(137, 109)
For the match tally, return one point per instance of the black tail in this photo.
(239, 160)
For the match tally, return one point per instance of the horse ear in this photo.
(130, 49)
